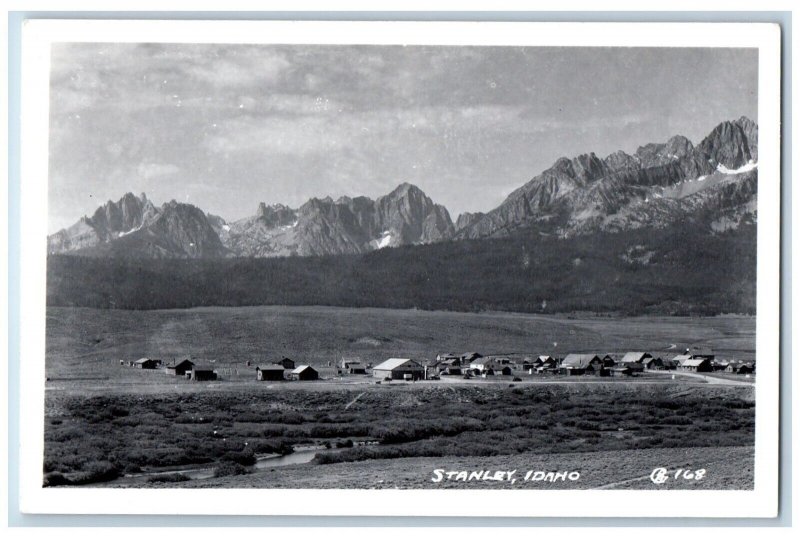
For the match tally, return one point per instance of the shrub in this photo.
(230, 468)
(97, 471)
(55, 479)
(245, 457)
(168, 478)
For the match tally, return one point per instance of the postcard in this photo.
(400, 268)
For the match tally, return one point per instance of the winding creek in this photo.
(301, 455)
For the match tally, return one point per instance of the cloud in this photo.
(153, 170)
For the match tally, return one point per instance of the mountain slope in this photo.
(587, 194)
(346, 226)
(712, 184)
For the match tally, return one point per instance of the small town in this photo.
(469, 365)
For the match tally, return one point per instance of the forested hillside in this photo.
(673, 271)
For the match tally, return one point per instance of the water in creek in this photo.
(301, 455)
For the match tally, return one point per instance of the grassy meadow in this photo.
(105, 421)
(94, 439)
(89, 343)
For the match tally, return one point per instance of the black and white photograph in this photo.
(404, 266)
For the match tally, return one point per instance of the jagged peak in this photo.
(405, 188)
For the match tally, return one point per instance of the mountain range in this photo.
(712, 185)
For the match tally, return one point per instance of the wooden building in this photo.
(653, 363)
(397, 368)
(581, 364)
(696, 365)
(203, 372)
(270, 372)
(181, 368)
(147, 364)
(353, 366)
(304, 373)
(286, 363)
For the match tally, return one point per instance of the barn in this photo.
(146, 364)
(269, 372)
(180, 368)
(580, 364)
(286, 363)
(203, 372)
(696, 365)
(397, 368)
(304, 373)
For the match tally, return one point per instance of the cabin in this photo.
(610, 359)
(397, 368)
(270, 372)
(720, 366)
(450, 358)
(449, 367)
(678, 360)
(545, 361)
(353, 366)
(304, 373)
(468, 357)
(181, 368)
(286, 363)
(147, 364)
(696, 365)
(580, 364)
(740, 368)
(481, 364)
(653, 363)
(203, 372)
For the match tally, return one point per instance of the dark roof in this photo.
(181, 363)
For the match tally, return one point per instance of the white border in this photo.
(37, 36)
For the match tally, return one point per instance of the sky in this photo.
(225, 127)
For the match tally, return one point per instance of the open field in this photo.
(105, 421)
(91, 439)
(86, 345)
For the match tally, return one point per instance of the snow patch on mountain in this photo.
(385, 240)
(750, 165)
